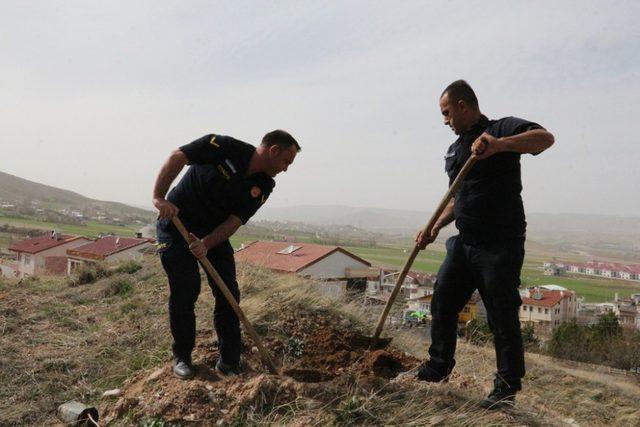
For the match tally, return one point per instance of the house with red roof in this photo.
(305, 259)
(107, 249)
(548, 307)
(415, 284)
(36, 253)
(610, 270)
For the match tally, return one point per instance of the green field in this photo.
(91, 229)
(428, 261)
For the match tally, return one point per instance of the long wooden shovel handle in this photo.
(427, 230)
(232, 301)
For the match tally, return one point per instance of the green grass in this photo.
(593, 289)
(91, 229)
(427, 261)
(5, 238)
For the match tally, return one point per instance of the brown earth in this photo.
(317, 360)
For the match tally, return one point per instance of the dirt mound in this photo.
(319, 358)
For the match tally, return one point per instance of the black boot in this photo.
(183, 369)
(502, 396)
(228, 370)
(434, 373)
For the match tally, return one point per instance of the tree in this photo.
(608, 326)
(529, 339)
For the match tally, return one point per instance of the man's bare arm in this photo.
(199, 247)
(168, 172)
(446, 217)
(532, 141)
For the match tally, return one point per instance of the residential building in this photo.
(473, 309)
(596, 268)
(414, 285)
(554, 269)
(108, 250)
(548, 307)
(8, 269)
(32, 253)
(305, 259)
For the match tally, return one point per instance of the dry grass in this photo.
(59, 343)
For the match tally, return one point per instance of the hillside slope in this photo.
(13, 188)
(60, 343)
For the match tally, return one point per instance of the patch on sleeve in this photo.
(213, 141)
(255, 191)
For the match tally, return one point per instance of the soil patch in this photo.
(320, 358)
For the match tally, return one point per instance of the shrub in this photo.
(603, 343)
(118, 286)
(529, 339)
(478, 332)
(295, 347)
(88, 273)
(129, 267)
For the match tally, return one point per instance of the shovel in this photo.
(376, 341)
(227, 294)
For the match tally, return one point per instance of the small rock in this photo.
(224, 411)
(220, 422)
(112, 393)
(209, 387)
(254, 350)
(190, 417)
(155, 375)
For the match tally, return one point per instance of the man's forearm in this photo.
(446, 217)
(169, 171)
(533, 141)
(222, 232)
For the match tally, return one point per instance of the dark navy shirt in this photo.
(216, 184)
(488, 206)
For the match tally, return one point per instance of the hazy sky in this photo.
(95, 95)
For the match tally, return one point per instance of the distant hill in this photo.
(593, 231)
(372, 219)
(18, 190)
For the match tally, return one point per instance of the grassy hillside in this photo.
(59, 342)
(16, 189)
(87, 229)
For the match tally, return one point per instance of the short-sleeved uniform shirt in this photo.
(488, 206)
(216, 184)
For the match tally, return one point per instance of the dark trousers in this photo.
(494, 270)
(184, 284)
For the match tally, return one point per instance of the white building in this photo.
(547, 307)
(35, 253)
(415, 284)
(596, 268)
(306, 259)
(108, 249)
(554, 269)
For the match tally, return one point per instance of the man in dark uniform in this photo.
(226, 184)
(488, 252)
